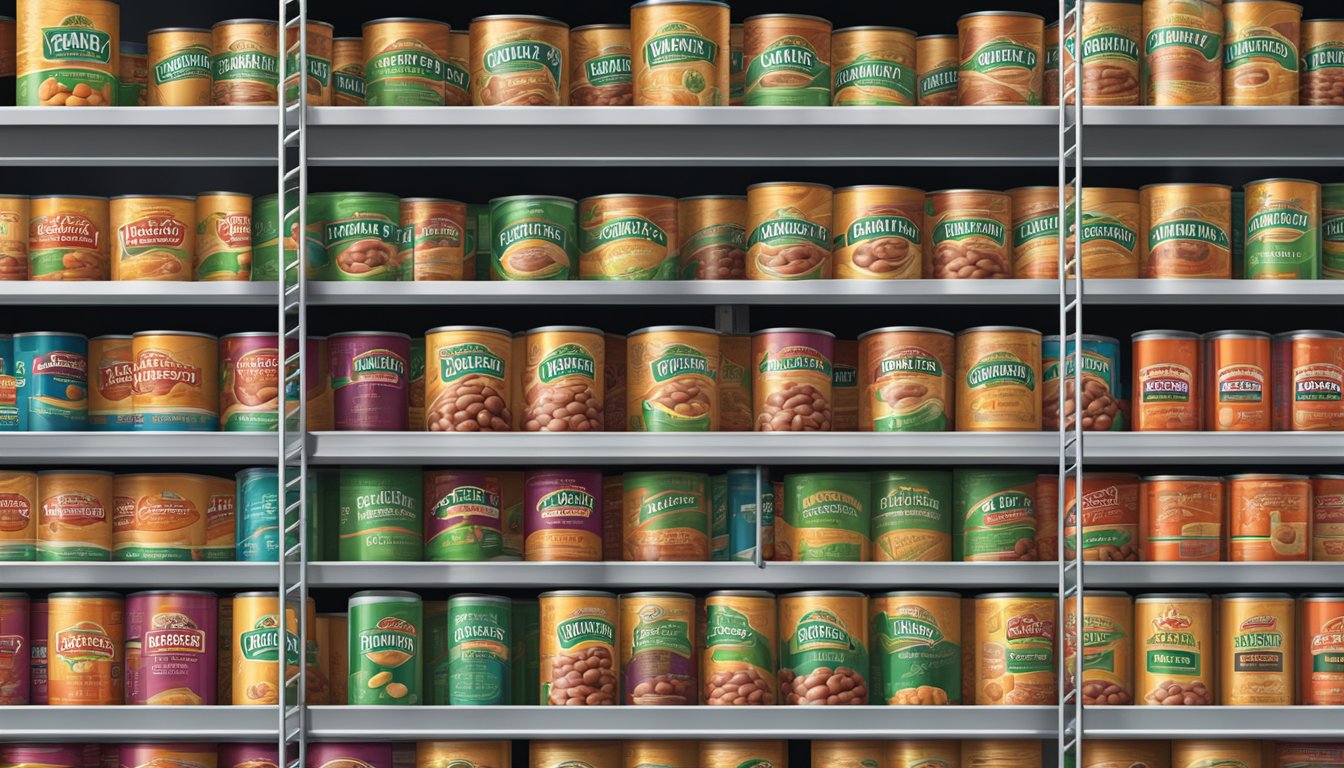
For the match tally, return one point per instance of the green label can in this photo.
(666, 516)
(743, 507)
(826, 517)
(823, 652)
(912, 518)
(380, 515)
(385, 635)
(718, 517)
(436, 652)
(1332, 231)
(916, 647)
(266, 239)
(525, 652)
(995, 515)
(533, 237)
(1283, 229)
(361, 234)
(480, 638)
(741, 640)
(463, 516)
(788, 61)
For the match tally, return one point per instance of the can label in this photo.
(176, 383)
(380, 515)
(258, 515)
(223, 238)
(1109, 516)
(478, 653)
(912, 516)
(1107, 647)
(906, 382)
(177, 637)
(249, 384)
(385, 654)
(563, 516)
(996, 516)
(578, 628)
(827, 518)
(1175, 636)
(19, 504)
(740, 647)
(627, 238)
(1181, 520)
(918, 642)
(112, 380)
(51, 383)
(533, 239)
(463, 516)
(791, 63)
(158, 518)
(15, 638)
(1015, 650)
(673, 381)
(369, 382)
(742, 508)
(75, 517)
(657, 651)
(823, 644)
(666, 516)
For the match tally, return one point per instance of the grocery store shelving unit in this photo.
(1215, 722)
(138, 723)
(123, 448)
(117, 575)
(158, 137)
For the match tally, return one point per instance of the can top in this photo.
(256, 594)
(1055, 24)
(60, 334)
(1269, 476)
(1305, 334)
(473, 328)
(673, 329)
(1316, 597)
(406, 336)
(943, 36)
(1257, 596)
(1032, 595)
(761, 593)
(823, 593)
(647, 595)
(577, 593)
(383, 596)
(402, 20)
(134, 49)
(230, 22)
(626, 194)
(1279, 178)
(1157, 597)
(222, 192)
(507, 198)
(477, 599)
(1182, 479)
(520, 17)
(587, 27)
(1295, 5)
(966, 189)
(1236, 334)
(1000, 329)
(95, 593)
(13, 595)
(916, 593)
(256, 471)
(250, 335)
(563, 329)
(1163, 333)
(761, 16)
(789, 184)
(647, 3)
(1185, 184)
(856, 187)
(101, 472)
(713, 197)
(295, 23)
(905, 329)
(154, 197)
(193, 592)
(1023, 14)
(874, 28)
(431, 200)
(68, 197)
(1104, 592)
(197, 334)
(764, 331)
(1327, 477)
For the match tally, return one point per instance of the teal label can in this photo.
(743, 508)
(381, 518)
(257, 512)
(51, 382)
(478, 651)
(718, 517)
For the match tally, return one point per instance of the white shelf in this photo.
(55, 449)
(137, 294)
(1213, 722)
(1243, 449)
(204, 575)
(138, 723)
(142, 136)
(1167, 576)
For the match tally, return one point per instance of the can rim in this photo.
(655, 594)
(431, 200)
(823, 593)
(561, 198)
(41, 472)
(198, 592)
(403, 19)
(598, 26)
(199, 195)
(1073, 338)
(807, 16)
(476, 328)
(999, 595)
(196, 334)
(63, 334)
(1257, 596)
(740, 593)
(250, 335)
(563, 329)
(917, 593)
(257, 594)
(475, 597)
(999, 329)
(1269, 476)
(906, 329)
(1310, 334)
(262, 471)
(1164, 333)
(966, 189)
(91, 593)
(577, 593)
(229, 22)
(792, 329)
(1183, 478)
(1153, 597)
(192, 475)
(1024, 14)
(625, 194)
(406, 336)
(1312, 597)
(14, 595)
(347, 38)
(68, 197)
(838, 190)
(384, 595)
(1295, 5)
(874, 28)
(673, 329)
(295, 23)
(117, 336)
(519, 17)
(1236, 334)
(939, 36)
(646, 3)
(1328, 476)
(791, 184)
(1277, 178)
(154, 197)
(712, 197)
(1186, 184)
(1104, 592)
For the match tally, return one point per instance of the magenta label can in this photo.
(178, 640)
(562, 515)
(51, 381)
(463, 515)
(337, 755)
(160, 755)
(44, 755)
(245, 755)
(369, 382)
(15, 681)
(37, 660)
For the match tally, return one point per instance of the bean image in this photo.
(792, 259)
(670, 689)
(824, 686)
(584, 678)
(924, 695)
(795, 408)
(1100, 407)
(738, 688)
(968, 261)
(562, 407)
(1170, 693)
(1100, 692)
(473, 405)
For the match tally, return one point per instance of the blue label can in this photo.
(1104, 398)
(257, 511)
(9, 395)
(51, 376)
(742, 510)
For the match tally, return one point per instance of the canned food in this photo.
(600, 66)
(347, 72)
(381, 515)
(67, 54)
(788, 231)
(938, 62)
(563, 379)
(877, 231)
(74, 515)
(415, 387)
(1186, 229)
(1268, 517)
(1035, 231)
(903, 380)
(404, 62)
(874, 66)
(1309, 381)
(447, 754)
(845, 386)
(478, 651)
(457, 69)
(1183, 52)
(1257, 653)
(533, 237)
(524, 654)
(563, 515)
(370, 388)
(828, 518)
(19, 512)
(1295, 753)
(1109, 516)
(245, 62)
(317, 386)
(257, 646)
(995, 515)
(220, 519)
(742, 506)
(159, 517)
(666, 516)
(741, 641)
(1015, 646)
(658, 650)
(112, 371)
(560, 753)
(223, 236)
(968, 231)
(176, 381)
(361, 233)
(1327, 528)
(997, 372)
(519, 60)
(1110, 234)
(578, 648)
(911, 516)
(823, 648)
(468, 391)
(792, 379)
(1103, 390)
(628, 237)
(673, 374)
(1001, 53)
(846, 754)
(50, 381)
(1110, 46)
(1174, 656)
(733, 754)
(249, 398)
(616, 386)
(15, 642)
(713, 237)
(735, 384)
(38, 623)
(1320, 622)
(787, 59)
(371, 755)
(1189, 753)
(1167, 381)
(681, 53)
(1283, 226)
(132, 74)
(1260, 53)
(667, 753)
(1332, 227)
(317, 73)
(1105, 753)
(910, 753)
(1050, 90)
(385, 658)
(463, 515)
(1047, 517)
(176, 633)
(150, 755)
(85, 641)
(737, 70)
(1181, 518)
(14, 220)
(433, 246)
(258, 515)
(917, 641)
(179, 67)
(1107, 644)
(266, 239)
(1322, 77)
(68, 237)
(1237, 378)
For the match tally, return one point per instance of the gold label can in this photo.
(916, 647)
(457, 69)
(111, 379)
(823, 648)
(787, 58)
(938, 66)
(1110, 233)
(223, 236)
(317, 72)
(1257, 657)
(159, 517)
(845, 386)
(404, 62)
(567, 753)
(741, 643)
(1268, 518)
(1035, 231)
(666, 753)
(68, 238)
(658, 652)
(735, 754)
(74, 515)
(1322, 63)
(155, 237)
(433, 239)
(1015, 646)
(737, 72)
(179, 67)
(735, 383)
(13, 238)
(1111, 53)
(1107, 645)
(245, 62)
(789, 231)
(1181, 518)
(176, 381)
(1174, 651)
(462, 754)
(564, 376)
(680, 53)
(1191, 753)
(1050, 76)
(467, 370)
(906, 380)
(600, 66)
(1320, 629)
(998, 379)
(221, 519)
(18, 515)
(919, 753)
(1185, 230)
(337, 637)
(347, 72)
(1002, 55)
(874, 66)
(519, 60)
(1183, 52)
(847, 754)
(673, 379)
(1113, 753)
(258, 645)
(67, 53)
(877, 232)
(85, 645)
(1283, 230)
(132, 75)
(1260, 58)
(791, 380)
(628, 237)
(713, 234)
(578, 636)
(967, 231)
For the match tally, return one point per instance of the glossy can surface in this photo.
(467, 374)
(176, 381)
(600, 66)
(1327, 524)
(735, 384)
(1002, 58)
(1174, 655)
(741, 644)
(1167, 382)
(1309, 381)
(75, 515)
(1185, 229)
(563, 379)
(249, 382)
(1283, 229)
(386, 648)
(111, 373)
(369, 380)
(912, 515)
(1322, 78)
(968, 233)
(1107, 645)
(347, 72)
(563, 515)
(906, 380)
(938, 61)
(681, 54)
(628, 237)
(1260, 53)
(316, 75)
(658, 649)
(1238, 383)
(823, 648)
(1183, 52)
(223, 237)
(1320, 631)
(1268, 517)
(1181, 519)
(533, 238)
(85, 643)
(828, 517)
(179, 67)
(1016, 640)
(404, 62)
(1102, 392)
(479, 631)
(433, 240)
(14, 237)
(69, 238)
(245, 62)
(159, 516)
(874, 66)
(713, 231)
(579, 664)
(995, 515)
(878, 232)
(916, 642)
(15, 650)
(177, 635)
(998, 375)
(787, 59)
(673, 379)
(519, 61)
(791, 372)
(666, 516)
(19, 505)
(789, 231)
(66, 53)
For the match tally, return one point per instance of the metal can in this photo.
(1047, 507)
(1268, 517)
(737, 70)
(742, 507)
(846, 754)
(266, 239)
(1174, 656)
(789, 231)
(1327, 523)
(317, 383)
(478, 652)
(828, 518)
(85, 642)
(1183, 52)
(176, 381)
(1322, 77)
(385, 658)
(1001, 58)
(911, 515)
(347, 72)
(132, 74)
(560, 753)
(1283, 224)
(1050, 77)
(245, 62)
(519, 60)
(735, 384)
(787, 59)
(734, 754)
(845, 386)
(904, 380)
(1110, 53)
(741, 643)
(150, 755)
(14, 220)
(258, 515)
(615, 387)
(673, 379)
(1107, 645)
(1332, 226)
(1167, 382)
(995, 515)
(1320, 631)
(155, 237)
(361, 234)
(914, 753)
(468, 391)
(456, 69)
(1110, 233)
(179, 67)
(666, 753)
(332, 755)
(1238, 381)
(1185, 230)
(681, 53)
(563, 371)
(1106, 753)
(1015, 647)
(1257, 650)
(223, 236)
(75, 511)
(823, 648)
(613, 516)
(437, 640)
(877, 231)
(432, 241)
(15, 642)
(317, 72)
(67, 54)
(159, 516)
(39, 636)
(220, 520)
(968, 233)
(111, 370)
(176, 633)
(658, 649)
(1308, 369)
(1260, 53)
(9, 386)
(713, 237)
(874, 66)
(369, 375)
(938, 62)
(533, 237)
(791, 379)
(463, 515)
(916, 644)
(448, 754)
(666, 516)
(1103, 390)
(1181, 518)
(628, 237)
(998, 367)
(563, 515)
(381, 515)
(249, 397)
(579, 627)
(1035, 224)
(600, 66)
(51, 381)
(404, 62)
(68, 237)
(19, 505)
(524, 653)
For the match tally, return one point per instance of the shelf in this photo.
(1219, 576)
(1213, 292)
(411, 723)
(1245, 450)
(137, 294)
(677, 136)
(719, 448)
(142, 136)
(138, 723)
(1212, 136)
(1279, 723)
(133, 576)
(55, 449)
(778, 577)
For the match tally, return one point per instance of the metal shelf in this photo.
(1213, 136)
(137, 294)
(1244, 449)
(1214, 575)
(143, 136)
(54, 449)
(138, 723)
(618, 575)
(1213, 722)
(1211, 292)
(211, 575)
(726, 448)
(411, 723)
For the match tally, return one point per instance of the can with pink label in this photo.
(37, 660)
(177, 641)
(14, 641)
(369, 380)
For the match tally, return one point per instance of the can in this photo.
(179, 70)
(85, 641)
(369, 380)
(437, 640)
(658, 654)
(666, 516)
(1308, 388)
(15, 645)
(787, 59)
(1322, 83)
(404, 62)
(258, 515)
(877, 230)
(911, 515)
(14, 220)
(110, 367)
(938, 66)
(995, 515)
(1332, 230)
(50, 381)
(912, 753)
(742, 505)
(828, 518)
(732, 754)
(737, 70)
(874, 66)
(159, 516)
(132, 74)
(1107, 645)
(1283, 224)
(917, 640)
(1186, 229)
(1257, 650)
(713, 237)
(1103, 390)
(177, 635)
(361, 234)
(615, 382)
(385, 657)
(628, 237)
(1110, 234)
(904, 381)
(681, 53)
(1104, 753)
(1015, 647)
(245, 62)
(823, 647)
(559, 753)
(1291, 753)
(519, 60)
(741, 642)
(665, 753)
(317, 73)
(433, 245)
(563, 371)
(1260, 53)
(1050, 90)
(791, 379)
(563, 515)
(68, 238)
(578, 637)
(456, 69)
(463, 515)
(478, 653)
(1238, 380)
(1174, 655)
(1046, 504)
(673, 379)
(524, 656)
(317, 383)
(1001, 58)
(54, 755)
(1188, 753)
(19, 512)
(74, 515)
(478, 242)
(38, 623)
(155, 237)
(223, 236)
(735, 384)
(789, 231)
(613, 514)
(1181, 518)
(176, 381)
(347, 72)
(9, 387)
(67, 54)
(1327, 523)
(998, 367)
(847, 754)
(266, 239)
(968, 234)
(446, 754)
(533, 237)
(249, 398)
(1183, 52)
(331, 755)
(1268, 517)
(468, 391)
(1320, 665)
(1035, 224)
(381, 515)
(1167, 382)
(600, 66)
(1110, 53)
(221, 519)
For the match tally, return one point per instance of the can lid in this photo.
(168, 474)
(1295, 5)
(761, 593)
(520, 17)
(999, 329)
(1185, 184)
(761, 16)
(178, 29)
(1154, 597)
(473, 328)
(258, 594)
(713, 197)
(13, 595)
(349, 39)
(431, 200)
(99, 472)
(789, 184)
(1258, 596)
(195, 592)
(1278, 178)
(563, 329)
(228, 22)
(1327, 477)
(1315, 597)
(138, 334)
(1162, 333)
(823, 593)
(250, 335)
(793, 330)
(222, 192)
(1269, 476)
(507, 198)
(905, 329)
(60, 334)
(647, 3)
(474, 598)
(943, 36)
(155, 197)
(626, 194)
(647, 595)
(1104, 592)
(1182, 479)
(856, 187)
(1023, 14)
(369, 333)
(295, 23)
(965, 189)
(577, 593)
(68, 197)
(404, 19)
(673, 329)
(873, 28)
(383, 596)
(96, 593)
(1236, 335)
(587, 27)
(916, 593)
(1305, 334)
(257, 472)
(998, 595)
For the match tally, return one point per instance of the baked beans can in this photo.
(742, 505)
(404, 62)
(317, 383)
(828, 518)
(223, 236)
(14, 220)
(1238, 381)
(564, 376)
(111, 370)
(791, 372)
(741, 642)
(1309, 381)
(56, 755)
(845, 386)
(666, 753)
(1167, 382)
(681, 53)
(666, 516)
(558, 753)
(316, 74)
(916, 642)
(266, 239)
(534, 237)
(657, 647)
(1001, 58)
(75, 515)
(258, 516)
(1110, 233)
(478, 652)
(673, 379)
(159, 516)
(1183, 52)
(347, 72)
(447, 754)
(789, 231)
(878, 232)
(360, 237)
(1327, 522)
(1035, 231)
(433, 244)
(1320, 648)
(998, 370)
(249, 382)
(457, 69)
(1103, 753)
(133, 74)
(905, 380)
(1297, 753)
(463, 515)
(994, 515)
(1283, 227)
(600, 66)
(468, 389)
(85, 641)
(735, 384)
(1046, 504)
(788, 60)
(179, 67)
(1110, 53)
(579, 627)
(563, 511)
(1190, 753)
(1050, 78)
(385, 647)
(143, 755)
(381, 514)
(616, 382)
(1257, 653)
(1016, 640)
(733, 754)
(628, 237)
(912, 753)
(245, 62)
(1260, 53)
(968, 233)
(1109, 516)
(519, 60)
(1181, 518)
(155, 237)
(1322, 77)
(67, 54)
(68, 238)
(1332, 221)
(846, 754)
(1103, 389)
(1105, 637)
(938, 62)
(15, 643)
(1174, 652)
(737, 70)
(369, 380)
(1186, 229)
(713, 237)
(176, 381)
(874, 66)
(177, 634)
(50, 381)
(1268, 517)
(823, 648)
(372, 755)
(19, 505)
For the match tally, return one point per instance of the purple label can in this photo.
(178, 639)
(44, 755)
(159, 755)
(14, 651)
(562, 515)
(365, 755)
(37, 660)
(260, 755)
(51, 378)
(463, 515)
(370, 380)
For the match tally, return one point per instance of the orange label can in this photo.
(467, 374)
(1185, 230)
(85, 637)
(1047, 517)
(735, 382)
(1181, 519)
(1268, 517)
(111, 378)
(998, 379)
(877, 232)
(1109, 516)
(1320, 663)
(220, 519)
(433, 239)
(159, 517)
(258, 644)
(1327, 518)
(75, 517)
(223, 236)
(906, 380)
(1258, 651)
(154, 237)
(68, 238)
(176, 381)
(1174, 650)
(1166, 382)
(14, 237)
(18, 515)
(1015, 646)
(1237, 381)
(1309, 381)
